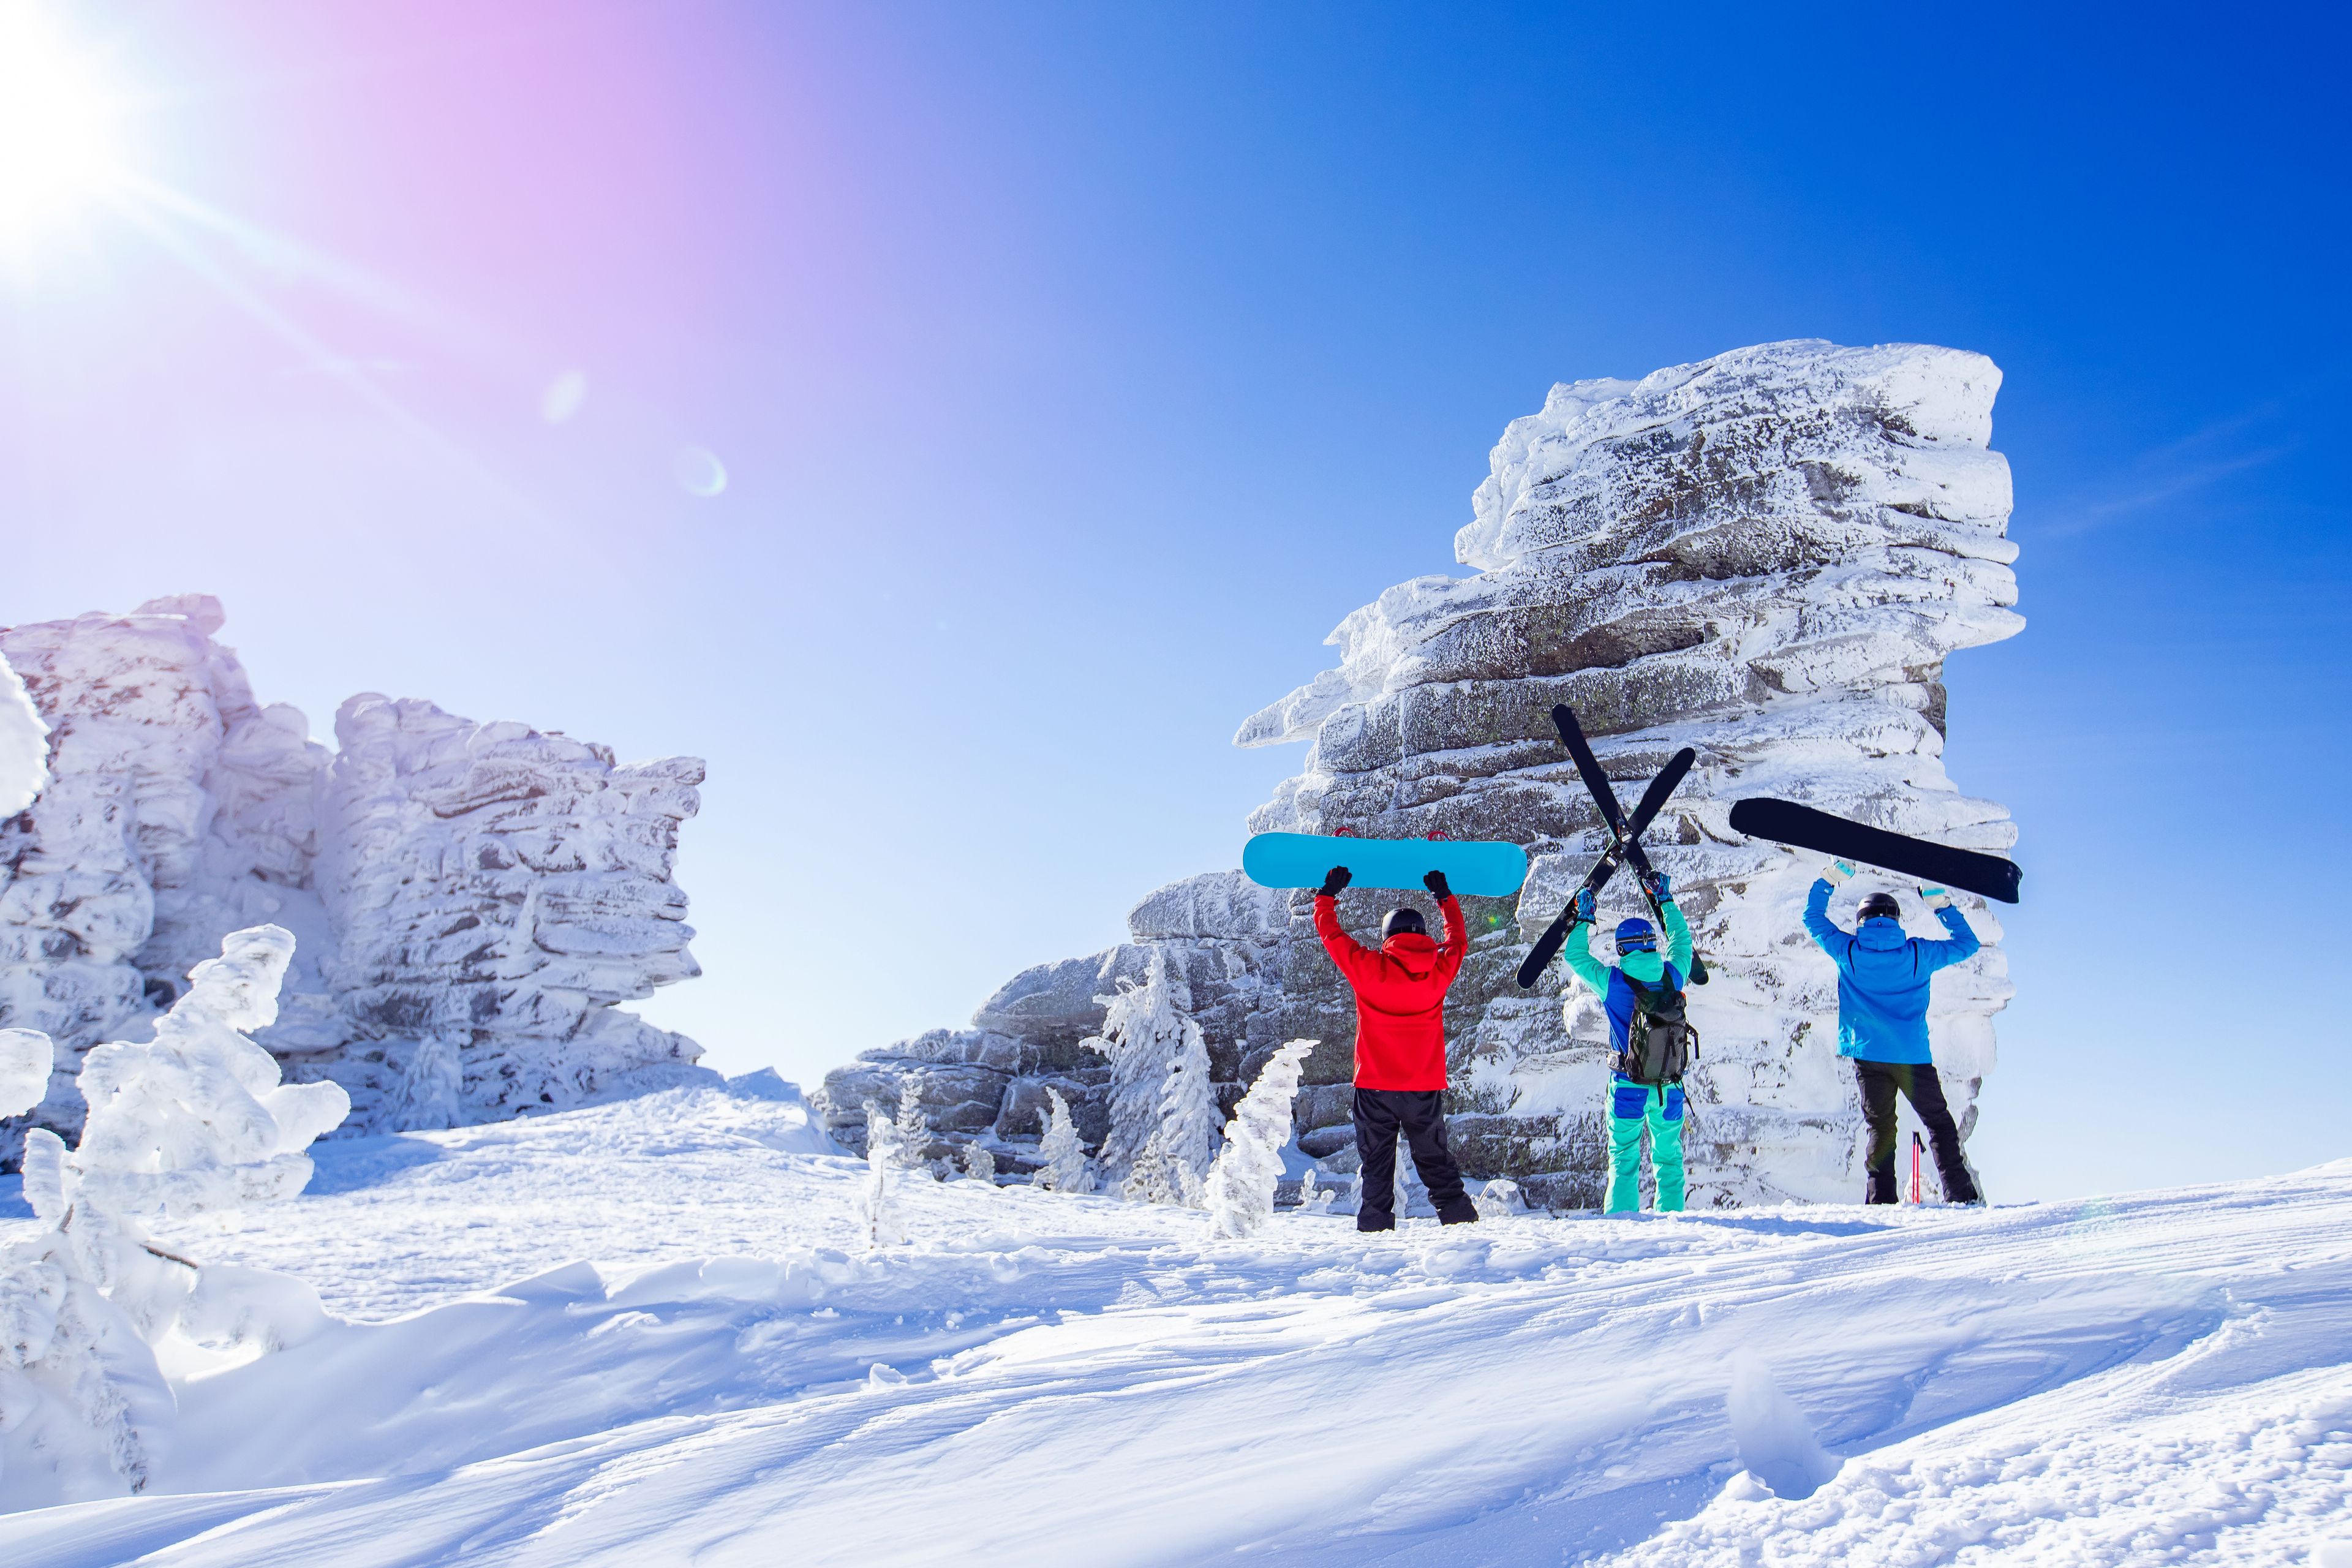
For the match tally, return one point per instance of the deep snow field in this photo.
(649, 1333)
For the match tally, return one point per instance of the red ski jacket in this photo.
(1399, 997)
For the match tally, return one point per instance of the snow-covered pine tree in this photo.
(1175, 1159)
(194, 1121)
(1142, 1033)
(424, 1086)
(1065, 1168)
(1240, 1189)
(914, 1134)
(878, 1204)
(1411, 1192)
(979, 1164)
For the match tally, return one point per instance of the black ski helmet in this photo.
(1881, 905)
(1400, 920)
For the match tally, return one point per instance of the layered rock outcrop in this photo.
(1767, 557)
(471, 900)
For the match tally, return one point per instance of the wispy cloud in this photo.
(2154, 489)
(2234, 443)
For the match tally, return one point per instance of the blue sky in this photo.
(1076, 368)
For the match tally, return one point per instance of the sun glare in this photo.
(58, 126)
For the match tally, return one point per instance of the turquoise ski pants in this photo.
(1632, 1107)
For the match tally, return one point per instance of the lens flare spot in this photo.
(564, 396)
(699, 471)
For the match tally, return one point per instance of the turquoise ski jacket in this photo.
(1649, 968)
(1883, 979)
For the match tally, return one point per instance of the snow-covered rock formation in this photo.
(1766, 556)
(471, 900)
(494, 892)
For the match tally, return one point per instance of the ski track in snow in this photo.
(648, 1333)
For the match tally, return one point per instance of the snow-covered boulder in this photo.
(472, 903)
(1766, 556)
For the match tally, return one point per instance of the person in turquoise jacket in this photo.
(1883, 993)
(1632, 1107)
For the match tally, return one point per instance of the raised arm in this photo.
(1660, 888)
(1833, 941)
(1678, 935)
(1345, 950)
(1959, 948)
(1578, 949)
(1457, 930)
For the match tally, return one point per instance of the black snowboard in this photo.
(1653, 799)
(1786, 822)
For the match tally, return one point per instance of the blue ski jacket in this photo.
(1649, 968)
(1883, 979)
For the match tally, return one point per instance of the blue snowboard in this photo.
(1479, 867)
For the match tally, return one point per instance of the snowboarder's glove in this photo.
(1659, 886)
(1837, 871)
(1938, 898)
(1435, 883)
(1337, 877)
(1585, 902)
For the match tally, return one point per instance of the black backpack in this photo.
(1660, 1043)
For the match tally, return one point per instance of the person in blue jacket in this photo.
(1883, 979)
(1632, 1107)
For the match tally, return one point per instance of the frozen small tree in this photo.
(25, 1057)
(913, 1132)
(1175, 1159)
(1411, 1192)
(880, 1202)
(979, 1164)
(423, 1086)
(194, 1121)
(1065, 1168)
(1143, 1034)
(1242, 1183)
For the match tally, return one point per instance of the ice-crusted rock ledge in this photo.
(472, 901)
(1766, 556)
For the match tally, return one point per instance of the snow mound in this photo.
(645, 1333)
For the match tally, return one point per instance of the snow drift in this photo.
(1766, 556)
(471, 900)
(703, 1362)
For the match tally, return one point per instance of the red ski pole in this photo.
(1915, 1170)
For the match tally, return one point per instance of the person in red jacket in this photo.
(1399, 1047)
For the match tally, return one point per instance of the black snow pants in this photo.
(1418, 1115)
(1920, 1086)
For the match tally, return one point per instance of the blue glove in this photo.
(1837, 871)
(1585, 904)
(1659, 886)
